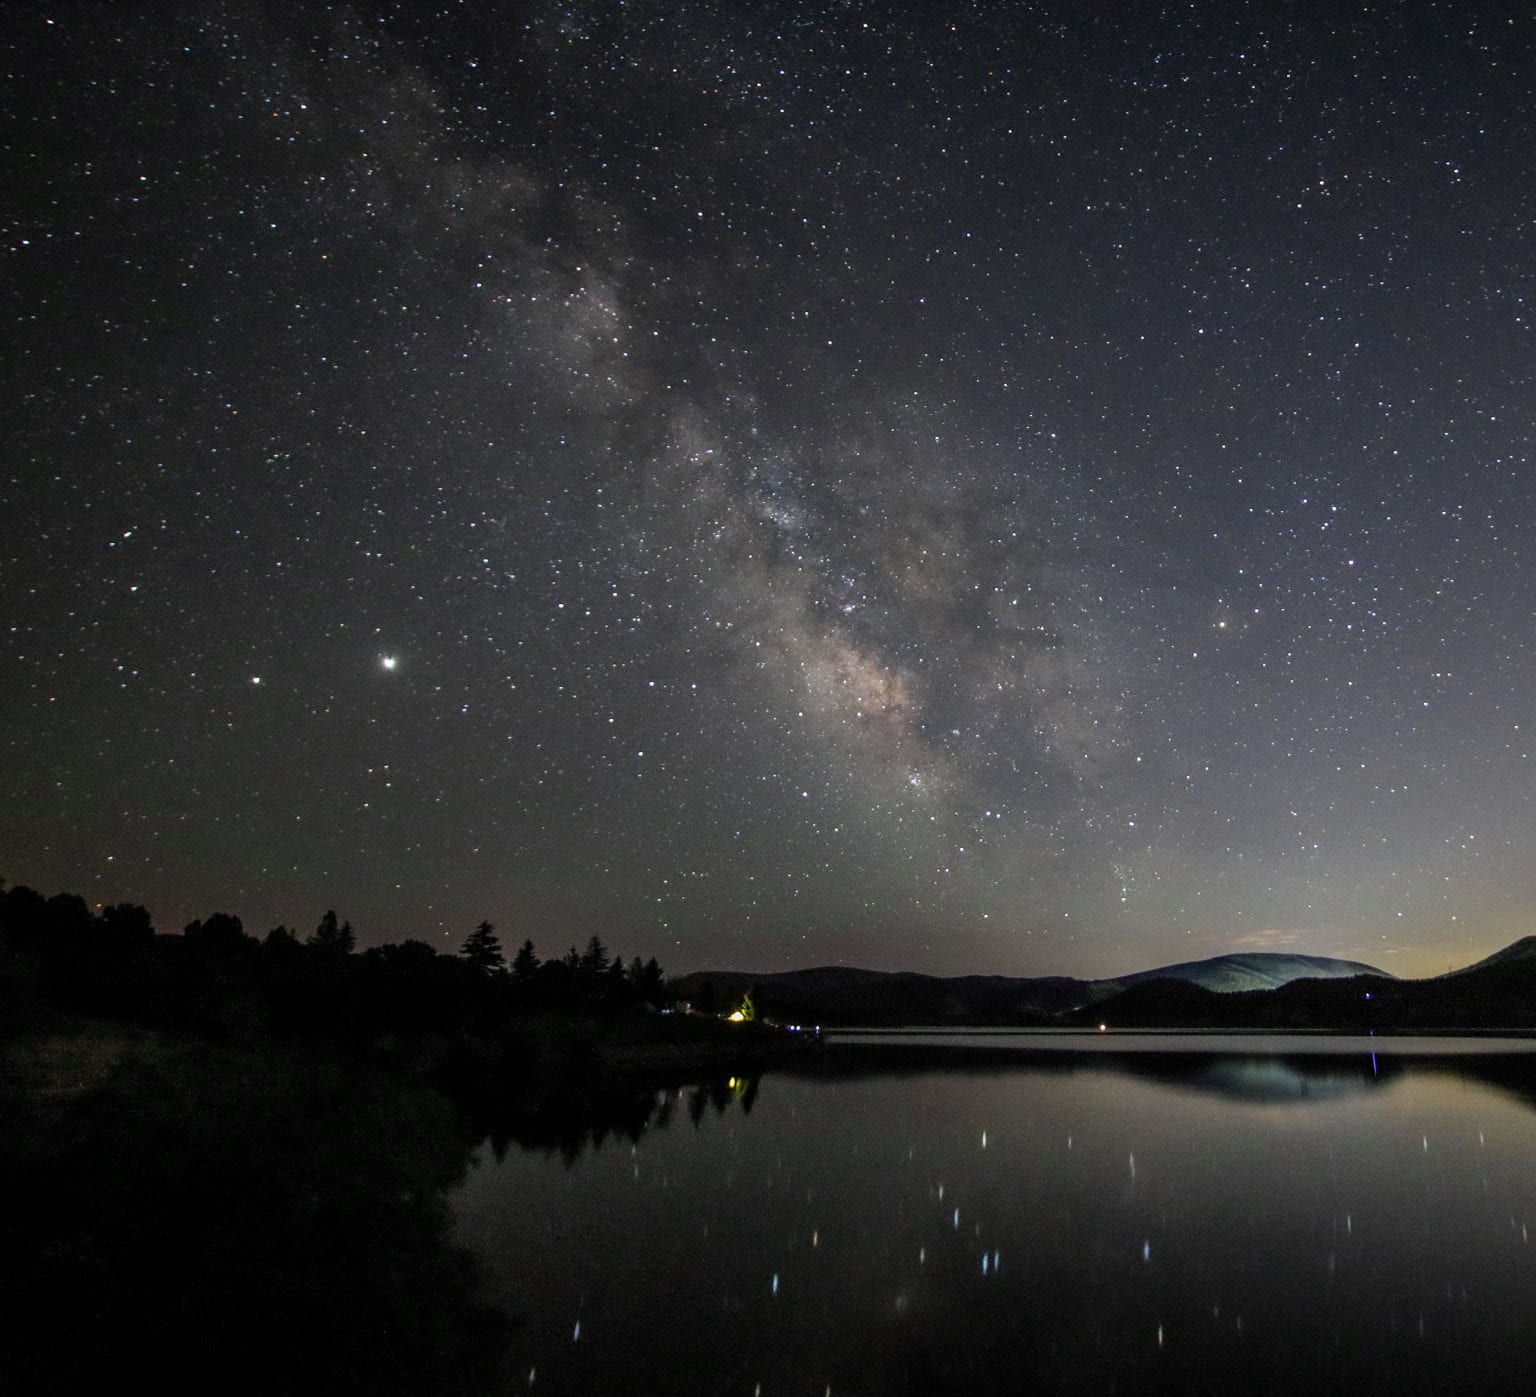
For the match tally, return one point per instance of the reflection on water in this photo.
(1035, 1041)
(1273, 1079)
(225, 1220)
(881, 1223)
(880, 1219)
(575, 1118)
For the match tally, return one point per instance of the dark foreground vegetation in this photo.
(213, 1218)
(470, 1024)
(226, 1159)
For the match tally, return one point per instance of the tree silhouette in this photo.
(525, 964)
(24, 914)
(594, 960)
(219, 932)
(482, 950)
(218, 981)
(329, 936)
(128, 921)
(69, 915)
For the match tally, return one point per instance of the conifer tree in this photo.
(594, 960)
(525, 964)
(333, 936)
(482, 949)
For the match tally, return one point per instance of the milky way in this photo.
(1037, 489)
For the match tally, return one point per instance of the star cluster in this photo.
(1022, 488)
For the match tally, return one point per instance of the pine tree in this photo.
(525, 964)
(594, 960)
(482, 949)
(331, 936)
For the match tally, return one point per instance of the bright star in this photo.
(388, 661)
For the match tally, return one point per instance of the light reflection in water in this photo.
(1199, 1229)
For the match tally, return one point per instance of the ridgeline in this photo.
(1272, 992)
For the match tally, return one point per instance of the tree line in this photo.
(217, 979)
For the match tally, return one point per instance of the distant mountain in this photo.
(843, 995)
(1258, 970)
(1523, 949)
(1270, 991)
(1496, 995)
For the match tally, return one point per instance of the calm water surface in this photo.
(911, 1220)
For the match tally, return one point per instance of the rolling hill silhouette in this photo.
(846, 995)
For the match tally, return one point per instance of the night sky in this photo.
(967, 488)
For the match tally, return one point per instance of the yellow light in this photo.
(737, 1017)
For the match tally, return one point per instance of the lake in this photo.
(1115, 1213)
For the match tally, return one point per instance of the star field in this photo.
(1017, 488)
